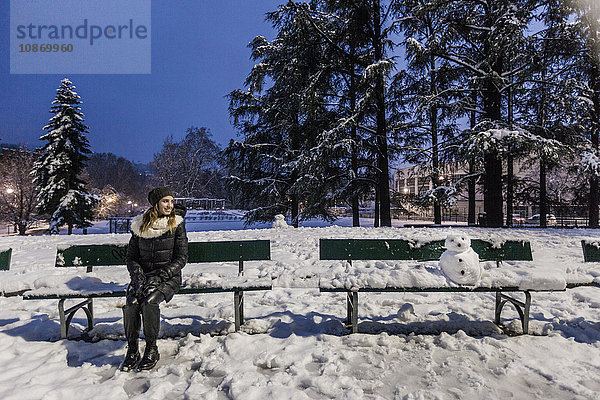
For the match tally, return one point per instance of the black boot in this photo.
(132, 358)
(151, 318)
(131, 323)
(150, 358)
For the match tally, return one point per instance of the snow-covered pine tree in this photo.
(427, 96)
(370, 57)
(583, 29)
(485, 34)
(344, 154)
(57, 171)
(545, 102)
(280, 117)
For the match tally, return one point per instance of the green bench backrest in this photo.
(92, 255)
(116, 254)
(5, 259)
(241, 250)
(591, 251)
(400, 249)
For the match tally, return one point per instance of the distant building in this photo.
(415, 180)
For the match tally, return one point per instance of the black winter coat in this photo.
(158, 253)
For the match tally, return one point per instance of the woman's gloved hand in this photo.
(151, 285)
(155, 297)
(135, 289)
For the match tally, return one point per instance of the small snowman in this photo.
(280, 222)
(459, 262)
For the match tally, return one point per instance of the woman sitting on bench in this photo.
(157, 252)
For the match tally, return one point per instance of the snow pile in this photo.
(76, 285)
(213, 280)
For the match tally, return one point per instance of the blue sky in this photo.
(199, 55)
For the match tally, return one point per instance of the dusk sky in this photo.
(199, 55)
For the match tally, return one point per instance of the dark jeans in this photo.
(148, 311)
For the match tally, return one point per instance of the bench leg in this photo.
(66, 316)
(352, 310)
(238, 305)
(522, 308)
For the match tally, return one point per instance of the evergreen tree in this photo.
(545, 102)
(583, 28)
(428, 101)
(62, 192)
(367, 99)
(486, 35)
(280, 117)
(345, 152)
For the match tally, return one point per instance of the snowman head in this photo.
(279, 217)
(458, 243)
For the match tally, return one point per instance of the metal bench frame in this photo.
(502, 298)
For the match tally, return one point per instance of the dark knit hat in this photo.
(158, 193)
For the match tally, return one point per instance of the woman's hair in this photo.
(152, 214)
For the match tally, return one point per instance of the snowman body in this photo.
(280, 222)
(460, 263)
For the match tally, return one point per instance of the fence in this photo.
(119, 224)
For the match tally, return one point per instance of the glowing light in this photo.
(10, 190)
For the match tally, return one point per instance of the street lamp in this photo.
(11, 191)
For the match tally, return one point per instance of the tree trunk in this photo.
(437, 207)
(354, 161)
(509, 189)
(295, 211)
(543, 195)
(355, 211)
(594, 200)
(471, 189)
(69, 229)
(492, 191)
(492, 179)
(383, 180)
(472, 181)
(377, 216)
(492, 107)
(22, 228)
(593, 203)
(510, 179)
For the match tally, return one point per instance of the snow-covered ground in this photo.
(294, 346)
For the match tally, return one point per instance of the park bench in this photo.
(398, 249)
(90, 256)
(5, 259)
(591, 253)
(5, 256)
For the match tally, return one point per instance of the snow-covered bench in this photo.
(5, 256)
(90, 256)
(591, 253)
(423, 278)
